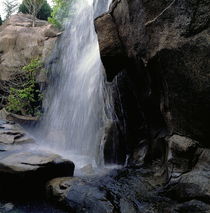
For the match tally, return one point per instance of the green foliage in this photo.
(26, 98)
(43, 14)
(23, 8)
(45, 11)
(1, 22)
(60, 12)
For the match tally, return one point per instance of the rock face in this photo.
(138, 190)
(171, 38)
(19, 43)
(110, 45)
(23, 166)
(162, 85)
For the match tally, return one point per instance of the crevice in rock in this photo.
(114, 5)
(161, 13)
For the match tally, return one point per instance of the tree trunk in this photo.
(34, 18)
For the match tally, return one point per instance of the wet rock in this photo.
(14, 137)
(3, 148)
(8, 137)
(139, 154)
(78, 196)
(23, 166)
(13, 134)
(183, 153)
(20, 162)
(140, 118)
(171, 38)
(182, 145)
(194, 184)
(108, 37)
(122, 191)
(111, 49)
(193, 206)
(87, 170)
(113, 154)
(169, 41)
(126, 206)
(30, 170)
(20, 119)
(187, 82)
(7, 207)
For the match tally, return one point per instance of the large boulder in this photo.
(171, 38)
(193, 185)
(165, 85)
(189, 172)
(111, 49)
(19, 43)
(29, 170)
(23, 166)
(183, 154)
(23, 163)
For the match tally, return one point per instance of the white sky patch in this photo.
(2, 13)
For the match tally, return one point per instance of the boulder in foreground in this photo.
(25, 169)
(28, 171)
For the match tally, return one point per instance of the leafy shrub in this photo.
(25, 99)
(60, 12)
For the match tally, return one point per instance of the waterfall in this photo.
(75, 115)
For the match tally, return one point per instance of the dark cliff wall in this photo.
(160, 50)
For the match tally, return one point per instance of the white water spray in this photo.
(75, 116)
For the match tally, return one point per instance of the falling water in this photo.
(75, 99)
